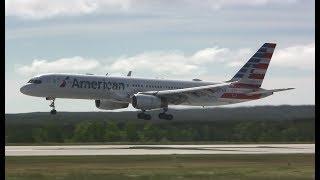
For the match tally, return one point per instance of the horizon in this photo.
(174, 109)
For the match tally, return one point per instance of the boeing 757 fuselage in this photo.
(112, 93)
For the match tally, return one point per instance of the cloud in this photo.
(208, 54)
(173, 63)
(217, 4)
(177, 63)
(40, 9)
(73, 64)
(299, 56)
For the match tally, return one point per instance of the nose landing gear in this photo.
(53, 111)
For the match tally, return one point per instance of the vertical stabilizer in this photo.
(252, 73)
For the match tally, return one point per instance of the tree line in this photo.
(298, 130)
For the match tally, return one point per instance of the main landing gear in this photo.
(53, 111)
(165, 116)
(143, 115)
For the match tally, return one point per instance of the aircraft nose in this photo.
(25, 89)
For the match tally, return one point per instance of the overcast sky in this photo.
(184, 39)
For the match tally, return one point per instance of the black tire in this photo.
(147, 116)
(162, 116)
(169, 117)
(53, 111)
(140, 115)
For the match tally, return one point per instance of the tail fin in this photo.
(252, 73)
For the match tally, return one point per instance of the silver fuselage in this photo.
(120, 89)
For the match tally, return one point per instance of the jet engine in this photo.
(147, 102)
(110, 105)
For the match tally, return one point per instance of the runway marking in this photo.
(200, 149)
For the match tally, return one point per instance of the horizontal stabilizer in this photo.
(268, 91)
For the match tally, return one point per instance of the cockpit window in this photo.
(35, 81)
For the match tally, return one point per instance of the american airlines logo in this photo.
(64, 82)
(97, 85)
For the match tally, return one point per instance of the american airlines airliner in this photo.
(111, 93)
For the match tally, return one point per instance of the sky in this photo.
(185, 39)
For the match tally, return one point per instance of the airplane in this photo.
(111, 92)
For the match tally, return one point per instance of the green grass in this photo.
(294, 166)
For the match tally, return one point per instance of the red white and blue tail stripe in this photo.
(251, 75)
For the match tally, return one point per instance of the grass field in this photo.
(288, 166)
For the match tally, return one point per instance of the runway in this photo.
(80, 150)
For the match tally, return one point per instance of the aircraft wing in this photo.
(268, 91)
(177, 96)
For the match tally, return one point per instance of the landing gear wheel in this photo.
(162, 115)
(53, 111)
(144, 116)
(147, 116)
(169, 117)
(165, 116)
(140, 115)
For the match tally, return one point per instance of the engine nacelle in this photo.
(147, 102)
(110, 105)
